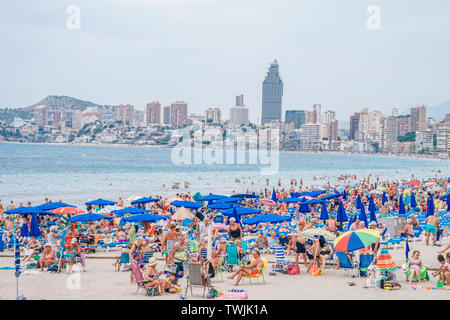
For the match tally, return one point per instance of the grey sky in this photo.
(207, 51)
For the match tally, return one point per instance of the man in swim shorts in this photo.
(431, 228)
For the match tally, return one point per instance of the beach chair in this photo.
(346, 263)
(125, 260)
(219, 269)
(232, 255)
(218, 219)
(417, 233)
(280, 264)
(195, 278)
(364, 262)
(260, 274)
(138, 277)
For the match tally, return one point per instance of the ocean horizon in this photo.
(76, 174)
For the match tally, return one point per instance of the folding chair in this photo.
(195, 278)
(364, 262)
(346, 263)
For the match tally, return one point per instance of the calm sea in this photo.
(76, 174)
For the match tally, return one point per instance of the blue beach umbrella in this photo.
(228, 200)
(53, 205)
(430, 206)
(171, 210)
(246, 195)
(345, 197)
(291, 200)
(359, 202)
(100, 202)
(144, 200)
(34, 227)
(145, 217)
(130, 210)
(187, 204)
(384, 198)
(211, 197)
(304, 208)
(272, 218)
(324, 212)
(352, 219)
(274, 196)
(24, 231)
(401, 206)
(407, 250)
(220, 205)
(341, 216)
(331, 196)
(87, 217)
(241, 211)
(372, 206)
(363, 216)
(235, 215)
(413, 200)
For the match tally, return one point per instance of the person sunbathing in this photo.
(250, 269)
(152, 276)
(32, 248)
(48, 257)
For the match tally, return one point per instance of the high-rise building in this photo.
(238, 115)
(443, 138)
(178, 113)
(41, 116)
(419, 118)
(334, 130)
(404, 124)
(272, 95)
(317, 113)
(424, 141)
(297, 117)
(240, 100)
(391, 129)
(213, 114)
(354, 125)
(153, 113)
(124, 113)
(166, 115)
(310, 136)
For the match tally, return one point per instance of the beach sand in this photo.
(101, 282)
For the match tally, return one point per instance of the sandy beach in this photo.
(100, 282)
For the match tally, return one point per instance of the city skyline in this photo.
(336, 62)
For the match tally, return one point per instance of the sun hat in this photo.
(47, 245)
(152, 262)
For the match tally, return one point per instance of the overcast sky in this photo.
(208, 51)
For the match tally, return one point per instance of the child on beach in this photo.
(415, 265)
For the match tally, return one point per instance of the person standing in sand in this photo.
(431, 228)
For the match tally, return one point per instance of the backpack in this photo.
(152, 292)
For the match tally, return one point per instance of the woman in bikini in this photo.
(415, 265)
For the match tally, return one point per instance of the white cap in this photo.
(232, 219)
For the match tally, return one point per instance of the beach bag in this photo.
(152, 292)
(293, 269)
(388, 286)
(211, 293)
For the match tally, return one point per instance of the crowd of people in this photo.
(64, 243)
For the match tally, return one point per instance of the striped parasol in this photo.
(385, 262)
(277, 230)
(317, 232)
(267, 202)
(354, 240)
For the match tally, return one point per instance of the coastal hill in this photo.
(54, 102)
(64, 103)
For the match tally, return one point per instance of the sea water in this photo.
(76, 174)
